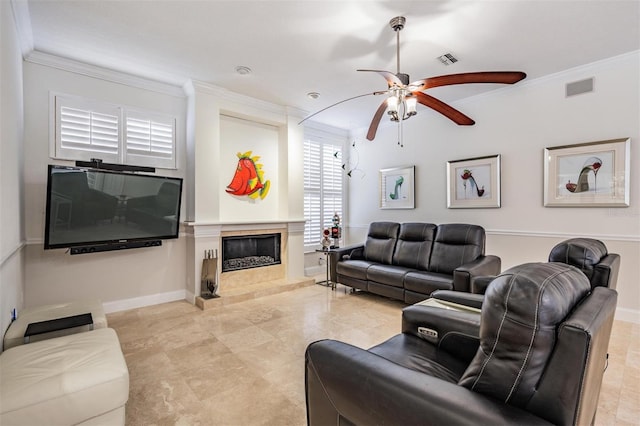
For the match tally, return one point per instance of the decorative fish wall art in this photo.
(249, 178)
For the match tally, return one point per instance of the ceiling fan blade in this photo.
(342, 101)
(373, 127)
(500, 77)
(392, 79)
(444, 109)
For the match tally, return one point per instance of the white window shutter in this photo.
(323, 194)
(87, 129)
(150, 140)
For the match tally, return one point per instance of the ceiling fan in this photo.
(403, 96)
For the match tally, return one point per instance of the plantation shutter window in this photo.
(87, 129)
(150, 140)
(323, 189)
(312, 193)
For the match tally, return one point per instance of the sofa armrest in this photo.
(483, 265)
(346, 382)
(456, 330)
(355, 251)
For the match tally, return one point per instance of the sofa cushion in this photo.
(387, 274)
(456, 244)
(418, 355)
(354, 268)
(521, 312)
(427, 282)
(66, 380)
(381, 241)
(413, 248)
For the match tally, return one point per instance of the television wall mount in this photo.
(97, 163)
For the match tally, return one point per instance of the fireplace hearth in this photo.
(250, 251)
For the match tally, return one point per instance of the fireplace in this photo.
(250, 251)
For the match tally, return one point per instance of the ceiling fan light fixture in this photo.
(411, 103)
(392, 104)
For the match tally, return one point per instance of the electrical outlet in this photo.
(14, 314)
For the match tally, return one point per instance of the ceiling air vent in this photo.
(579, 87)
(447, 59)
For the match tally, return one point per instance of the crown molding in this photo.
(228, 95)
(321, 130)
(592, 66)
(22, 19)
(70, 65)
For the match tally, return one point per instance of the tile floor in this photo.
(243, 364)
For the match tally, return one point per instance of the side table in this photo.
(329, 255)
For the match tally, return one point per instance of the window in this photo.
(86, 129)
(322, 183)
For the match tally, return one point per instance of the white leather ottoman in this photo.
(15, 333)
(76, 379)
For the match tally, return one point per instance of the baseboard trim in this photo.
(628, 315)
(314, 270)
(142, 301)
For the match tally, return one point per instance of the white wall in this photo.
(122, 278)
(11, 187)
(517, 122)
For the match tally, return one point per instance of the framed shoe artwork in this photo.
(397, 188)
(473, 183)
(593, 174)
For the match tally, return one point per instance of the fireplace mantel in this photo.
(214, 229)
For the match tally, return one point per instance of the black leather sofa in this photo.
(408, 261)
(535, 355)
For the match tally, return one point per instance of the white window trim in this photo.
(123, 111)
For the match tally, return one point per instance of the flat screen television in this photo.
(99, 209)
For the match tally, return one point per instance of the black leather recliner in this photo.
(587, 254)
(539, 359)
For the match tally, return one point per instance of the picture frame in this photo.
(592, 174)
(397, 188)
(474, 183)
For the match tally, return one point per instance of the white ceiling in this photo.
(296, 47)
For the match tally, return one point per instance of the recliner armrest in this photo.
(346, 382)
(456, 330)
(470, 300)
(479, 284)
(483, 265)
(606, 271)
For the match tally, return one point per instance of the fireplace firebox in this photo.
(250, 251)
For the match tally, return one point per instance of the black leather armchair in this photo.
(587, 254)
(539, 359)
